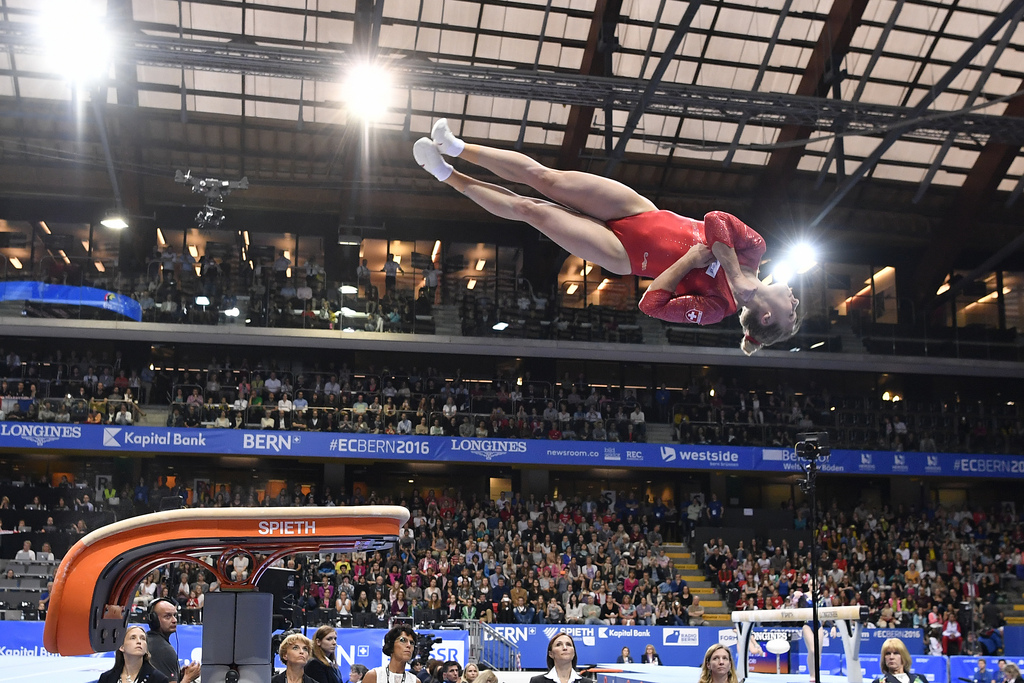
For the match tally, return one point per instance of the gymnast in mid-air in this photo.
(704, 271)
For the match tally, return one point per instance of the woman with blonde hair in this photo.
(895, 664)
(718, 666)
(294, 652)
(321, 667)
(470, 673)
(487, 676)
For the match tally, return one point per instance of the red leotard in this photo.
(654, 240)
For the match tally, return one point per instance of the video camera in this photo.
(425, 642)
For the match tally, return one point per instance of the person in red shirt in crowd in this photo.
(704, 271)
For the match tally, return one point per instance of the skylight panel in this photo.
(458, 43)
(943, 177)
(219, 105)
(155, 11)
(223, 19)
(160, 74)
(899, 173)
(910, 151)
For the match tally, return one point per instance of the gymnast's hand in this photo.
(701, 255)
(696, 257)
(743, 288)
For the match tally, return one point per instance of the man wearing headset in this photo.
(163, 621)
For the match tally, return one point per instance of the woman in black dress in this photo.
(321, 667)
(561, 661)
(131, 664)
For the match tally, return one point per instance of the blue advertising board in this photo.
(67, 295)
(22, 435)
(355, 645)
(677, 646)
(966, 667)
(934, 669)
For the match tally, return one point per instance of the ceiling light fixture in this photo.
(77, 42)
(367, 91)
(115, 219)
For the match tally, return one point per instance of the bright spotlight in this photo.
(114, 220)
(202, 300)
(232, 312)
(76, 39)
(803, 257)
(367, 91)
(500, 327)
(782, 272)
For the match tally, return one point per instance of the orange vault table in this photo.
(96, 581)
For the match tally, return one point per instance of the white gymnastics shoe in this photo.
(429, 157)
(445, 139)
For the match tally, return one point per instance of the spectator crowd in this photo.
(528, 560)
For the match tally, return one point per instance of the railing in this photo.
(491, 649)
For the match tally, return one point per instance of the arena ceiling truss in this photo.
(875, 125)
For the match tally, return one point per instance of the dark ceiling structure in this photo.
(887, 131)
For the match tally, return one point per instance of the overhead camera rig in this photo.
(215, 190)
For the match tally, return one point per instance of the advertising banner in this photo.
(67, 295)
(677, 646)
(355, 645)
(966, 668)
(935, 669)
(22, 435)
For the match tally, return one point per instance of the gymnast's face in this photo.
(779, 305)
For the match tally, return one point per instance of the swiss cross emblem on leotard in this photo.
(694, 315)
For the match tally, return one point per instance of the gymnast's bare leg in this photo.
(576, 217)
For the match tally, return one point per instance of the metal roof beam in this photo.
(893, 135)
(981, 183)
(831, 47)
(975, 92)
(652, 86)
(783, 13)
(599, 40)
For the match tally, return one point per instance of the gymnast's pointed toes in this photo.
(445, 139)
(429, 157)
